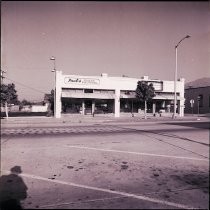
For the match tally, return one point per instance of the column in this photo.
(58, 91)
(117, 103)
(181, 108)
(93, 106)
(153, 107)
(163, 104)
(168, 106)
(83, 107)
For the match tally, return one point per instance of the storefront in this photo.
(104, 94)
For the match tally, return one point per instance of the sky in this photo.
(89, 38)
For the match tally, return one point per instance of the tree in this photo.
(23, 103)
(50, 98)
(144, 93)
(8, 95)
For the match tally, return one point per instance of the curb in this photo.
(82, 121)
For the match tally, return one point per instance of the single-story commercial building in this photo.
(197, 94)
(95, 94)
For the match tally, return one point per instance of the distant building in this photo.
(39, 108)
(96, 94)
(197, 96)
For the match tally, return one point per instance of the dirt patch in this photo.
(124, 167)
(197, 180)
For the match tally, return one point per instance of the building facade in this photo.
(197, 96)
(104, 94)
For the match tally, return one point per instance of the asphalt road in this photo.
(135, 165)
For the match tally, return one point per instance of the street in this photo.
(138, 165)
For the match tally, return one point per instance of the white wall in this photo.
(104, 82)
(39, 108)
(113, 83)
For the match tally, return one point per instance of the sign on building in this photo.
(192, 102)
(81, 81)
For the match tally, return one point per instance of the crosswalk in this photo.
(62, 130)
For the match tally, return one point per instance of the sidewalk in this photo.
(75, 120)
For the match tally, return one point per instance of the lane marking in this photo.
(137, 153)
(79, 202)
(139, 197)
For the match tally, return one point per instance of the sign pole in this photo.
(192, 109)
(198, 107)
(192, 104)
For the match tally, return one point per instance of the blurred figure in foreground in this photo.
(12, 189)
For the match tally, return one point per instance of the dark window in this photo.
(209, 100)
(200, 100)
(88, 90)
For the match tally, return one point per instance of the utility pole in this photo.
(54, 70)
(2, 80)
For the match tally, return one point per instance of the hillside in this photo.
(202, 82)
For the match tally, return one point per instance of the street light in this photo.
(2, 75)
(53, 59)
(175, 77)
(54, 70)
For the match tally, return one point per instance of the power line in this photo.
(26, 85)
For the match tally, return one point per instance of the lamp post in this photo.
(175, 76)
(54, 70)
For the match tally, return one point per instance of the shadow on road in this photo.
(12, 190)
(178, 137)
(200, 125)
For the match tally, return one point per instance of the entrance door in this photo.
(88, 106)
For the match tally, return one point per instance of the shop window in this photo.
(88, 90)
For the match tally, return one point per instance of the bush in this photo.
(24, 114)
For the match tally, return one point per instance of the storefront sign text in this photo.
(81, 81)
